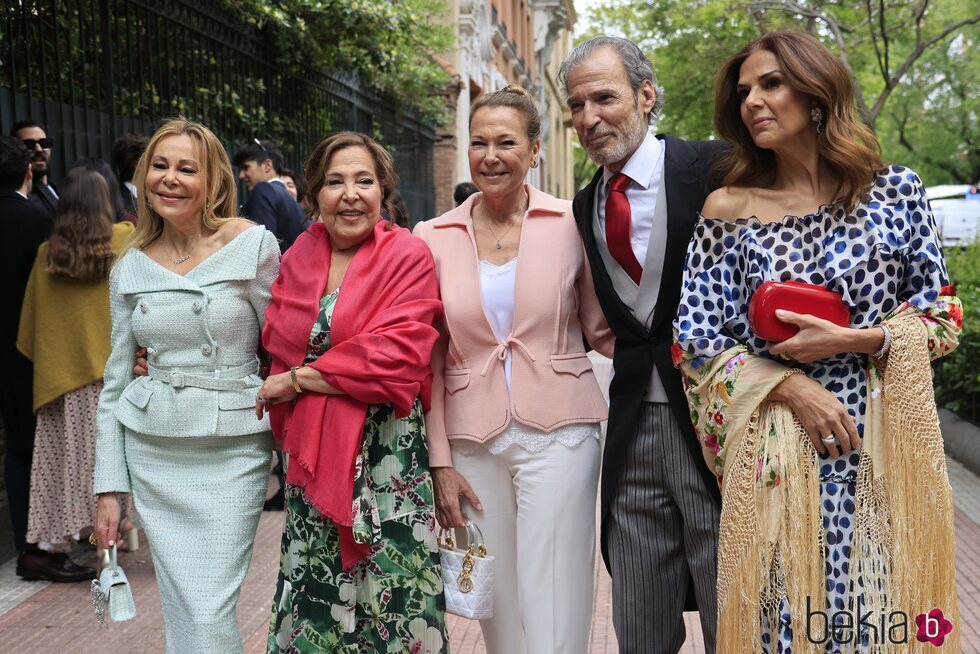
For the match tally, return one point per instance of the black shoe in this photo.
(32, 566)
(275, 503)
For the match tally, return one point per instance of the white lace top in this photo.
(497, 291)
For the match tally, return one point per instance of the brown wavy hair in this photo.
(218, 180)
(80, 240)
(319, 161)
(845, 143)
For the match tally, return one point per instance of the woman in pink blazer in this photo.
(514, 422)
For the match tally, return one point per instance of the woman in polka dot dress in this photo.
(811, 510)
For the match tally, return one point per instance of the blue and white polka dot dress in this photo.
(884, 252)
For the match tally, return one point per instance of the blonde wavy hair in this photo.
(845, 143)
(220, 196)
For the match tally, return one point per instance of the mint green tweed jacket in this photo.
(197, 324)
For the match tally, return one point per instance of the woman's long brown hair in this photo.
(80, 240)
(845, 143)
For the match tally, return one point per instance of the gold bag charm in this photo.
(465, 583)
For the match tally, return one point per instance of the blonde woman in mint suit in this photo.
(191, 288)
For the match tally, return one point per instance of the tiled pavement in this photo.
(43, 618)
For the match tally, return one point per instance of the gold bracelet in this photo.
(292, 378)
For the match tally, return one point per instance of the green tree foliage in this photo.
(915, 64)
(957, 377)
(386, 43)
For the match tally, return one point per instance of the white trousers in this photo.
(538, 520)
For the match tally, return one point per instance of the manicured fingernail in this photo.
(780, 313)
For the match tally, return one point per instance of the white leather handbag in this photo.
(467, 575)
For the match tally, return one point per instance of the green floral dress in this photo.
(392, 601)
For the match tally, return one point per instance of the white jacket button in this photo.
(143, 307)
(206, 350)
(196, 306)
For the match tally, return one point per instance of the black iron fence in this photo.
(90, 70)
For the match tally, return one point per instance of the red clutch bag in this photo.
(797, 297)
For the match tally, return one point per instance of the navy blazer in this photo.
(270, 204)
(42, 197)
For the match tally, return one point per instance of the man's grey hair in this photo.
(638, 67)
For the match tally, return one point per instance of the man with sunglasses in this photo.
(34, 137)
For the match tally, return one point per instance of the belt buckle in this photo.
(177, 379)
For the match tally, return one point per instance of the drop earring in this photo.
(816, 115)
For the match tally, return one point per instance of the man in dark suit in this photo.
(23, 227)
(269, 203)
(659, 503)
(42, 194)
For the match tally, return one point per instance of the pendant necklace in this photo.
(500, 238)
(504, 235)
(182, 259)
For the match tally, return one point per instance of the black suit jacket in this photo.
(23, 227)
(42, 198)
(270, 204)
(686, 170)
(129, 202)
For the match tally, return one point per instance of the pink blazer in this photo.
(552, 383)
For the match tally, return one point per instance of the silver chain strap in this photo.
(98, 602)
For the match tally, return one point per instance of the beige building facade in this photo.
(501, 42)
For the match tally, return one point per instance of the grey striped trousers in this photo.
(661, 525)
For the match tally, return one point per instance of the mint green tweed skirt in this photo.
(200, 500)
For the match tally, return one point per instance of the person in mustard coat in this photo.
(69, 286)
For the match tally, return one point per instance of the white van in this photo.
(957, 211)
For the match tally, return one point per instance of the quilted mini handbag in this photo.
(797, 297)
(467, 575)
(112, 590)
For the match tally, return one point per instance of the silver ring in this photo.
(828, 440)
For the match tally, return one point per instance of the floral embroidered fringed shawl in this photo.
(771, 538)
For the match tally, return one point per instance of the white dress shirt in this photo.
(645, 170)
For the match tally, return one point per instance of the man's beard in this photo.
(621, 148)
(39, 165)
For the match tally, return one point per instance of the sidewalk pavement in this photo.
(45, 618)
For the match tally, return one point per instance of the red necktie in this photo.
(618, 227)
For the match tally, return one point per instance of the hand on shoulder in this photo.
(726, 203)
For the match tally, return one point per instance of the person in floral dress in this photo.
(825, 445)
(359, 568)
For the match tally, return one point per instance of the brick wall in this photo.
(444, 162)
(444, 154)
